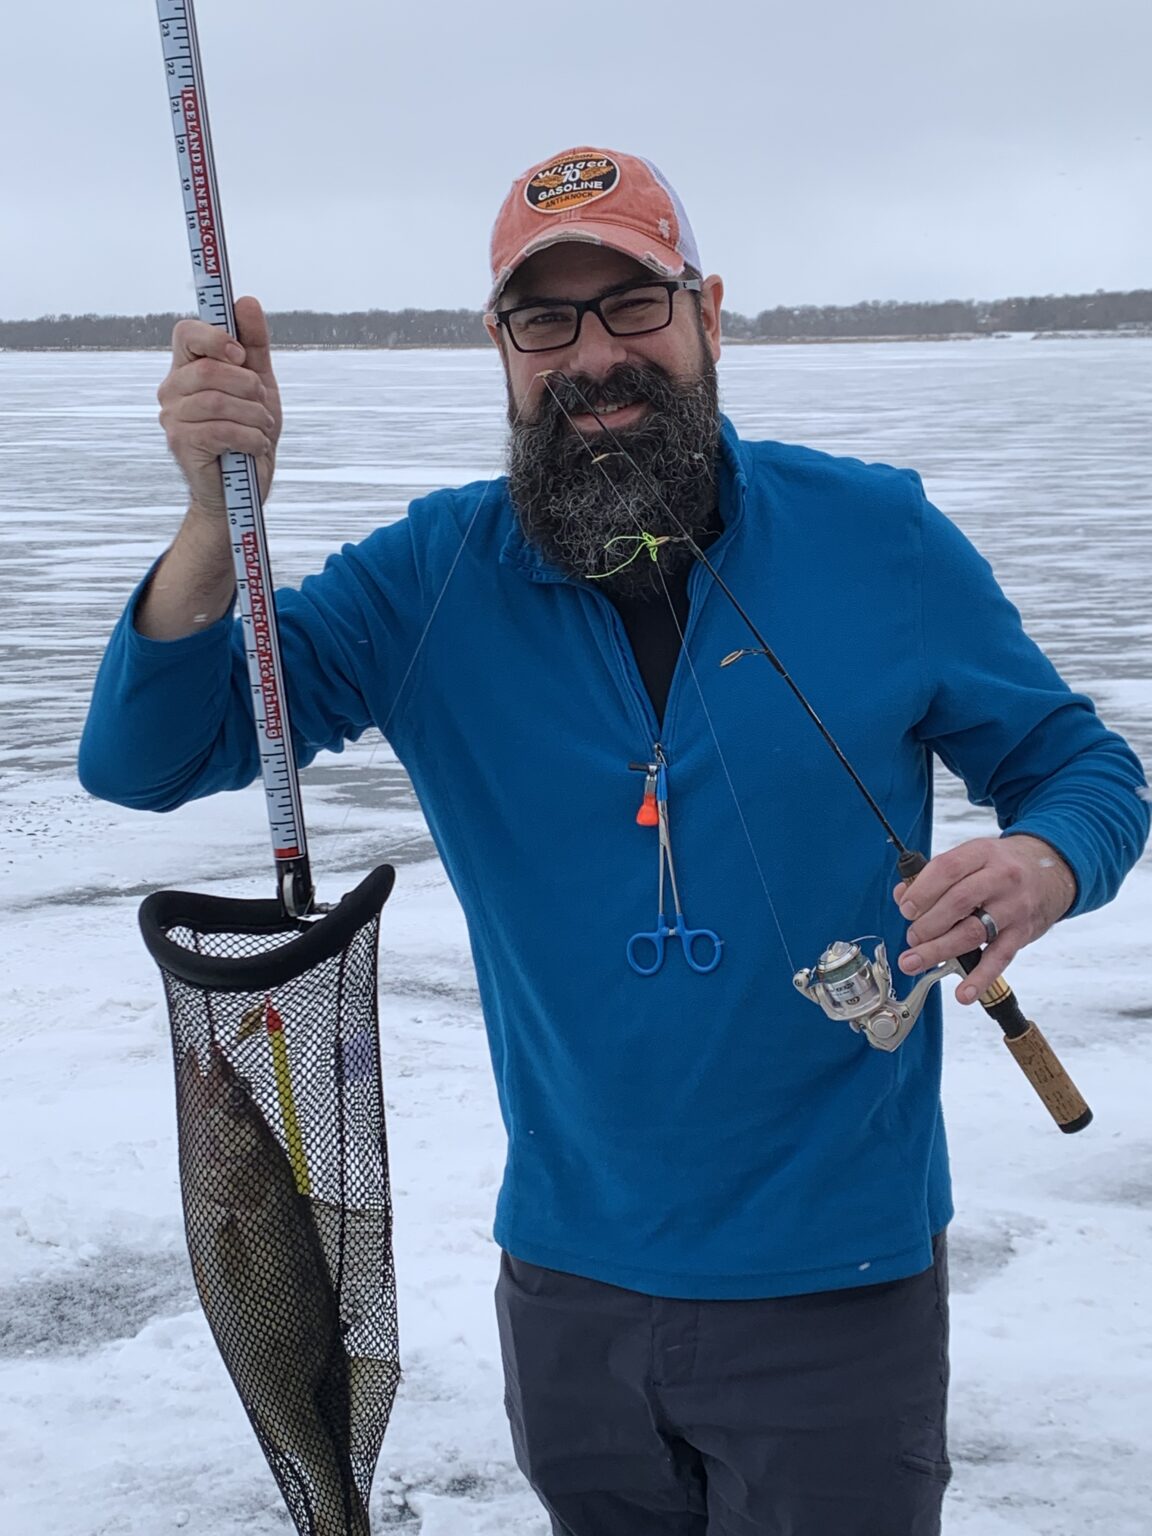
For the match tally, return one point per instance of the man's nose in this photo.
(595, 351)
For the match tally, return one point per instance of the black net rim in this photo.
(315, 941)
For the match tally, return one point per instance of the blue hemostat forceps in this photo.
(702, 948)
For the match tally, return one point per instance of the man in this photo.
(722, 1298)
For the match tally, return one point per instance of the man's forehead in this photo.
(570, 266)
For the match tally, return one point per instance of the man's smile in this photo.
(613, 415)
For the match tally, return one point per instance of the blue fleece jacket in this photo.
(680, 1134)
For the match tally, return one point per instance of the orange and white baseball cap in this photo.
(620, 201)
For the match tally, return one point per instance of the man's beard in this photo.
(584, 502)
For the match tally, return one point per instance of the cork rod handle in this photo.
(1035, 1057)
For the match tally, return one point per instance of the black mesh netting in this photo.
(284, 1173)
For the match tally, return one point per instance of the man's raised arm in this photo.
(169, 714)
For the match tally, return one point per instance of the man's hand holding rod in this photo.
(220, 396)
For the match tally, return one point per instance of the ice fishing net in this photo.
(284, 1175)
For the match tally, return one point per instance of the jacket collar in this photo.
(733, 489)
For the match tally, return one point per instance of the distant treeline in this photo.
(952, 317)
(463, 327)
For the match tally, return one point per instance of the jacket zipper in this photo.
(627, 663)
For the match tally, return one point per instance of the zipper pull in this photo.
(660, 768)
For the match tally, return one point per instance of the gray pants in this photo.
(817, 1415)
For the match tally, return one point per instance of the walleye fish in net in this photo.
(284, 1177)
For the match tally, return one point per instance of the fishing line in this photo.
(341, 835)
(436, 607)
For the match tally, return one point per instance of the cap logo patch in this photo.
(566, 184)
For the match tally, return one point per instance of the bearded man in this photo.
(722, 1296)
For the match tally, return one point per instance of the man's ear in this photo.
(711, 302)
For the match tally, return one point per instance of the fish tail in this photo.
(342, 1512)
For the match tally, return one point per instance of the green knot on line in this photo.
(649, 542)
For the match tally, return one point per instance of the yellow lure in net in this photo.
(275, 1026)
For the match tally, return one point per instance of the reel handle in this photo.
(1035, 1057)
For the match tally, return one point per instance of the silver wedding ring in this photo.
(989, 922)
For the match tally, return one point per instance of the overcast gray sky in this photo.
(826, 152)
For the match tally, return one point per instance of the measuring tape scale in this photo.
(214, 301)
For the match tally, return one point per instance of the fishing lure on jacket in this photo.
(648, 544)
(847, 985)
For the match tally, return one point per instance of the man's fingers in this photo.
(218, 405)
(942, 872)
(252, 329)
(952, 908)
(209, 374)
(195, 338)
(994, 962)
(966, 935)
(220, 396)
(1024, 888)
(212, 438)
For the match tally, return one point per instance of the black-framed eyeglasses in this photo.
(633, 310)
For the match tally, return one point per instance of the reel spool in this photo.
(853, 989)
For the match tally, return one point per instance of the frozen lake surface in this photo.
(115, 1413)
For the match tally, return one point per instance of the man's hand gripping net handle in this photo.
(1036, 1058)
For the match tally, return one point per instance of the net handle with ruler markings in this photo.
(214, 300)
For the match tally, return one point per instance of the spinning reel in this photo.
(858, 991)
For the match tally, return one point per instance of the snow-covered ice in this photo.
(116, 1415)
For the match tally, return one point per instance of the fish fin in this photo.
(232, 1250)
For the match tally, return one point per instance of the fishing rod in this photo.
(844, 982)
(214, 300)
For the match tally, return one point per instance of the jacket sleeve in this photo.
(171, 720)
(1000, 716)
